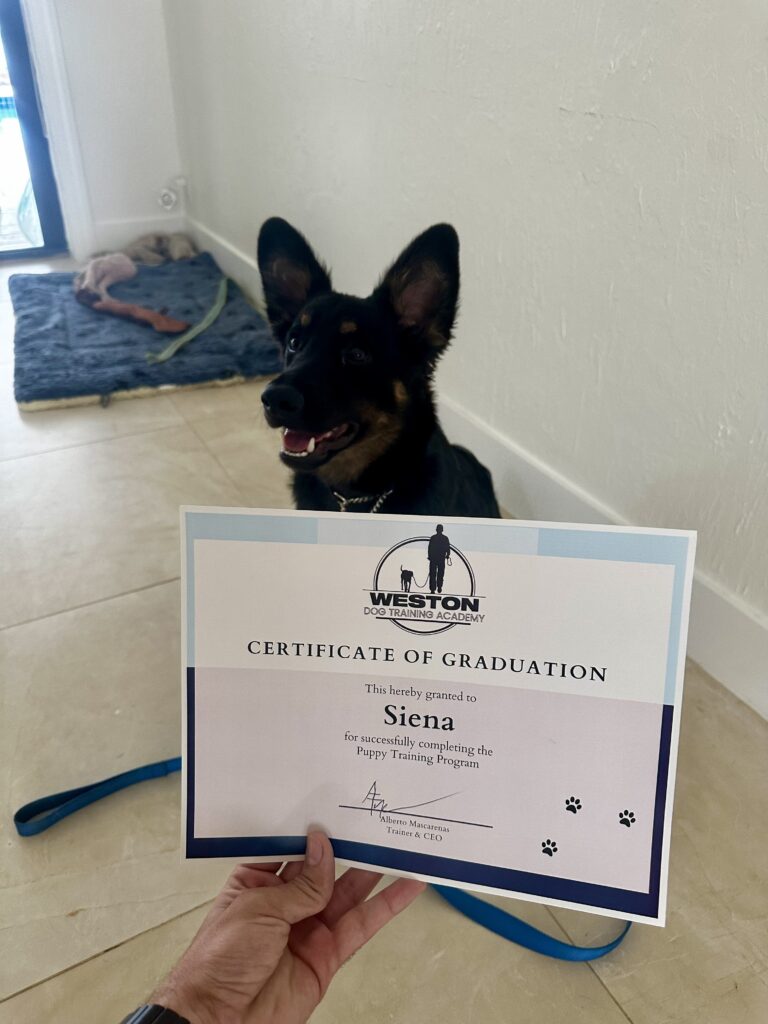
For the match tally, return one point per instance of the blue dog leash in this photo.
(512, 928)
(39, 815)
(36, 817)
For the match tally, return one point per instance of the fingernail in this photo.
(315, 848)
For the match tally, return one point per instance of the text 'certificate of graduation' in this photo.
(489, 704)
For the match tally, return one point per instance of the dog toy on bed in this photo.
(91, 289)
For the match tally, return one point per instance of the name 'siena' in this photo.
(395, 716)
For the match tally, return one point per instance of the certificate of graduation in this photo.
(488, 704)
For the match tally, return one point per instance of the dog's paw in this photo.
(549, 847)
(627, 818)
(573, 804)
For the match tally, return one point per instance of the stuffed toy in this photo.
(91, 289)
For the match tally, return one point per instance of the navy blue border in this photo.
(189, 764)
(662, 782)
(625, 901)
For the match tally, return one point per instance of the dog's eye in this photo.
(292, 345)
(355, 357)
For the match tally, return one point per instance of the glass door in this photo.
(30, 215)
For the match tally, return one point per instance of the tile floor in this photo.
(94, 912)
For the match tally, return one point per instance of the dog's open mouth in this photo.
(301, 444)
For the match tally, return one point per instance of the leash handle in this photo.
(39, 815)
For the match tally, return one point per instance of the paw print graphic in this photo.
(627, 818)
(549, 847)
(573, 804)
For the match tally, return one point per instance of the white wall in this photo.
(115, 66)
(606, 166)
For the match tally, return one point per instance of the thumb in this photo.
(309, 892)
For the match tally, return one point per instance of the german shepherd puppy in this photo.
(355, 402)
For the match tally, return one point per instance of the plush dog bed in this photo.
(68, 354)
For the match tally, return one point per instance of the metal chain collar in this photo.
(378, 501)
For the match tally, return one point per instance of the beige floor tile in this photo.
(87, 694)
(249, 451)
(106, 989)
(55, 264)
(710, 962)
(429, 965)
(7, 323)
(86, 523)
(433, 964)
(230, 399)
(28, 433)
(230, 421)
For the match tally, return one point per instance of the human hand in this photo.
(271, 944)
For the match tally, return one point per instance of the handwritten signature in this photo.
(375, 803)
(374, 800)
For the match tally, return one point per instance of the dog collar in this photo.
(378, 500)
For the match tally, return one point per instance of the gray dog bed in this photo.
(68, 354)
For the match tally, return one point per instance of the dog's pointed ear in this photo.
(422, 286)
(290, 273)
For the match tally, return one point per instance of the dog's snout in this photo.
(282, 400)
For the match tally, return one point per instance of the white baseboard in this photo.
(725, 636)
(729, 642)
(235, 263)
(114, 234)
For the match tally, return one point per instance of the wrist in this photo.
(187, 1002)
(153, 1013)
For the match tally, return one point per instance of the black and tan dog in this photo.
(355, 401)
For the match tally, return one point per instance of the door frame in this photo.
(59, 124)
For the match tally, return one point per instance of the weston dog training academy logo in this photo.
(425, 585)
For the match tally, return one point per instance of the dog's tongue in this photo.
(296, 440)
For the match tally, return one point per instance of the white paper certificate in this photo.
(490, 704)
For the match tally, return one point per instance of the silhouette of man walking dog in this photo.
(438, 554)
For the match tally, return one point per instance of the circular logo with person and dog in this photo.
(425, 585)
